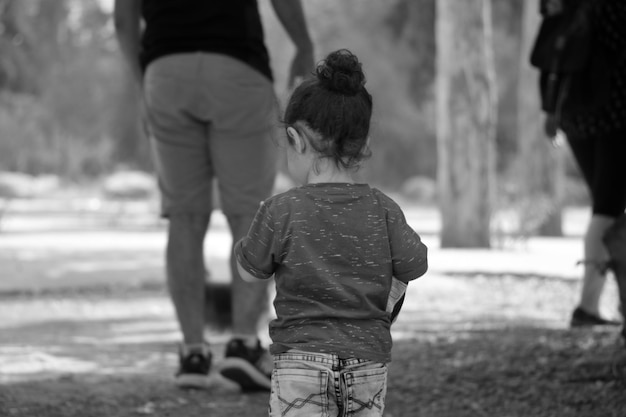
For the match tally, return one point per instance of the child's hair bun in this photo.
(341, 72)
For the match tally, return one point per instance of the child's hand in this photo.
(396, 298)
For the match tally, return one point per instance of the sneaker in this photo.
(194, 366)
(581, 318)
(250, 368)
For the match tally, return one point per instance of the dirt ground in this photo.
(87, 329)
(467, 345)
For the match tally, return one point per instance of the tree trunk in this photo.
(466, 121)
(540, 165)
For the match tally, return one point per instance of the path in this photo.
(87, 325)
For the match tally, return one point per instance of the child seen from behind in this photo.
(341, 254)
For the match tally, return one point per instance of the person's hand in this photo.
(291, 15)
(302, 67)
(550, 126)
(551, 129)
(552, 7)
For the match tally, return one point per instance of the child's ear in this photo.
(299, 143)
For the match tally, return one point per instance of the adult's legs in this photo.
(600, 160)
(185, 273)
(249, 299)
(185, 279)
(246, 362)
(183, 166)
(243, 158)
(594, 276)
(244, 161)
(615, 241)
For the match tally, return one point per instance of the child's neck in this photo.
(329, 173)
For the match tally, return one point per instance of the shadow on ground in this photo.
(516, 371)
(465, 346)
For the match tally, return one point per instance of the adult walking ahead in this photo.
(207, 84)
(590, 108)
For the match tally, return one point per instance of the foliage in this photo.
(412, 25)
(61, 56)
(62, 82)
(403, 141)
(18, 63)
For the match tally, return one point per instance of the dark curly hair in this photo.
(336, 105)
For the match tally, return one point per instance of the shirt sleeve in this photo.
(256, 251)
(408, 253)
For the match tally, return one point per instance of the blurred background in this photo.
(69, 109)
(82, 288)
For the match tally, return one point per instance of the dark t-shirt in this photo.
(333, 250)
(230, 27)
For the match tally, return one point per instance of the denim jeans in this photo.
(320, 384)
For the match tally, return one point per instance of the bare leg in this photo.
(185, 273)
(595, 254)
(246, 362)
(250, 300)
(615, 241)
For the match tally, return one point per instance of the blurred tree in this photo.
(65, 105)
(68, 107)
(506, 44)
(412, 26)
(25, 124)
(466, 121)
(403, 139)
(18, 69)
(539, 165)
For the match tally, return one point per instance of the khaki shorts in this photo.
(211, 116)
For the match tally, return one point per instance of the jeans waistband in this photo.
(328, 359)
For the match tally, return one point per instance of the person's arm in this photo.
(245, 275)
(291, 15)
(254, 253)
(127, 19)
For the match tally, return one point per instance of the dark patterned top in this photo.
(609, 23)
(333, 250)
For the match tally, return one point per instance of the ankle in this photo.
(589, 310)
(599, 267)
(190, 348)
(250, 341)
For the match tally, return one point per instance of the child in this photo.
(334, 247)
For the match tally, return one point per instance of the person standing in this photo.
(205, 76)
(341, 254)
(597, 137)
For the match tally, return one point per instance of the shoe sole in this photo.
(192, 381)
(244, 374)
(586, 323)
